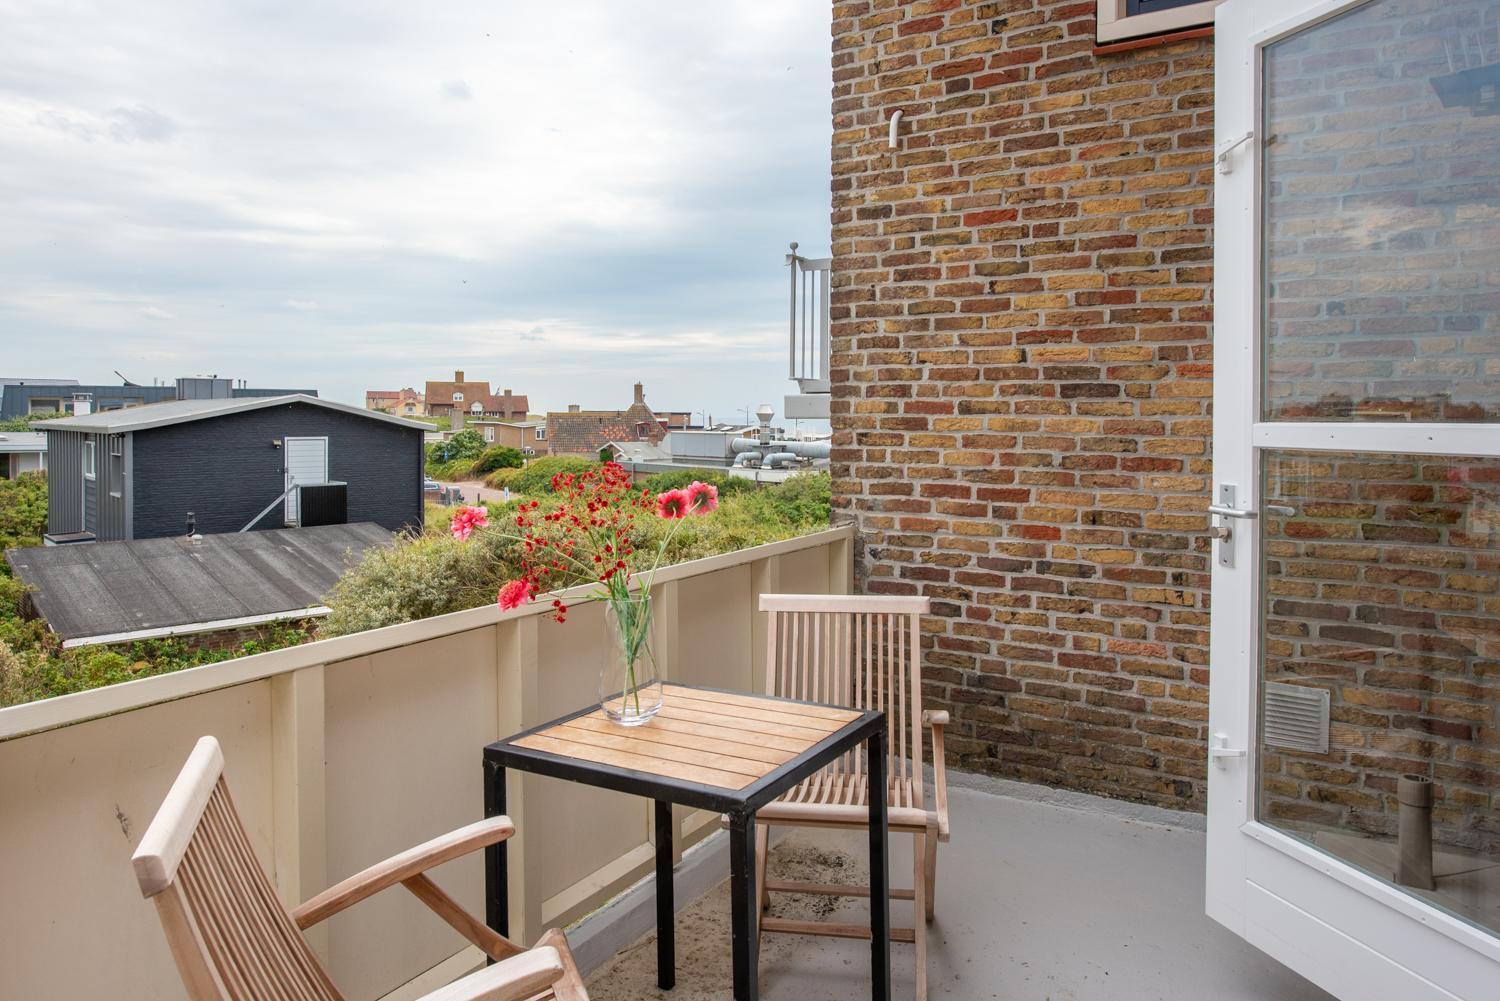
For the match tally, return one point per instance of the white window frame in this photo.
(1113, 24)
(541, 434)
(1347, 931)
(489, 434)
(90, 461)
(458, 397)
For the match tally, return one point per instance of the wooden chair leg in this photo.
(762, 849)
(931, 874)
(919, 895)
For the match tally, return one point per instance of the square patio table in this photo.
(727, 752)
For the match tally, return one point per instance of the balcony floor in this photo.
(1035, 901)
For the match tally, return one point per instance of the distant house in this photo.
(527, 436)
(22, 452)
(474, 399)
(401, 402)
(586, 432)
(216, 586)
(21, 397)
(221, 465)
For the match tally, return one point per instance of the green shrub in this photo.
(23, 512)
(676, 479)
(467, 444)
(416, 578)
(536, 478)
(498, 457)
(458, 469)
(502, 478)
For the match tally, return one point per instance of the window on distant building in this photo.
(489, 434)
(476, 407)
(458, 397)
(1119, 20)
(541, 434)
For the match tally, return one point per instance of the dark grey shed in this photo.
(121, 591)
(154, 471)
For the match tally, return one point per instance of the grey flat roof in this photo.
(180, 411)
(108, 588)
(22, 441)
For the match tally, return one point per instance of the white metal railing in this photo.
(809, 321)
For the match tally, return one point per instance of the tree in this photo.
(466, 444)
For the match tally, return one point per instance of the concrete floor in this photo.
(1037, 901)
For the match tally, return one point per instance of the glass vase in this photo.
(629, 686)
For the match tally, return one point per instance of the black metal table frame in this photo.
(739, 805)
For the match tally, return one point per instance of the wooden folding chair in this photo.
(865, 652)
(234, 940)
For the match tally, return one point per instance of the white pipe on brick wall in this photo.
(895, 123)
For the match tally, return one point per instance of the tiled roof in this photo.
(585, 432)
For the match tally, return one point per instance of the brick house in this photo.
(1022, 378)
(474, 398)
(526, 436)
(1028, 426)
(580, 432)
(1022, 363)
(401, 402)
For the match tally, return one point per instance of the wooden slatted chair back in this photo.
(861, 651)
(230, 934)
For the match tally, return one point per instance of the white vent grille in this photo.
(1296, 717)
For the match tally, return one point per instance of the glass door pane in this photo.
(1381, 216)
(1380, 695)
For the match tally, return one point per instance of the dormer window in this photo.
(458, 397)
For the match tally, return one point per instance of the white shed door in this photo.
(1354, 704)
(306, 465)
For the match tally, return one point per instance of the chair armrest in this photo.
(401, 867)
(938, 719)
(514, 979)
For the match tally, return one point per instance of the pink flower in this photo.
(673, 504)
(466, 519)
(514, 594)
(702, 497)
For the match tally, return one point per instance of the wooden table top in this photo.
(712, 738)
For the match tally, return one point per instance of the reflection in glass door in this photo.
(1379, 716)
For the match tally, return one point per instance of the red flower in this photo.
(466, 519)
(514, 594)
(702, 497)
(673, 504)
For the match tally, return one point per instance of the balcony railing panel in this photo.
(810, 321)
(342, 752)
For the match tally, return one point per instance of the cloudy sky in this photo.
(560, 197)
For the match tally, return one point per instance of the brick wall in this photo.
(1022, 374)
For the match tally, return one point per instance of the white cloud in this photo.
(157, 313)
(593, 187)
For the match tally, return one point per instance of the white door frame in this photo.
(1354, 935)
(291, 504)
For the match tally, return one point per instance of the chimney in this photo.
(640, 393)
(458, 375)
(83, 404)
(573, 408)
(506, 393)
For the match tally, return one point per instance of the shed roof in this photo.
(143, 587)
(181, 411)
(22, 441)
